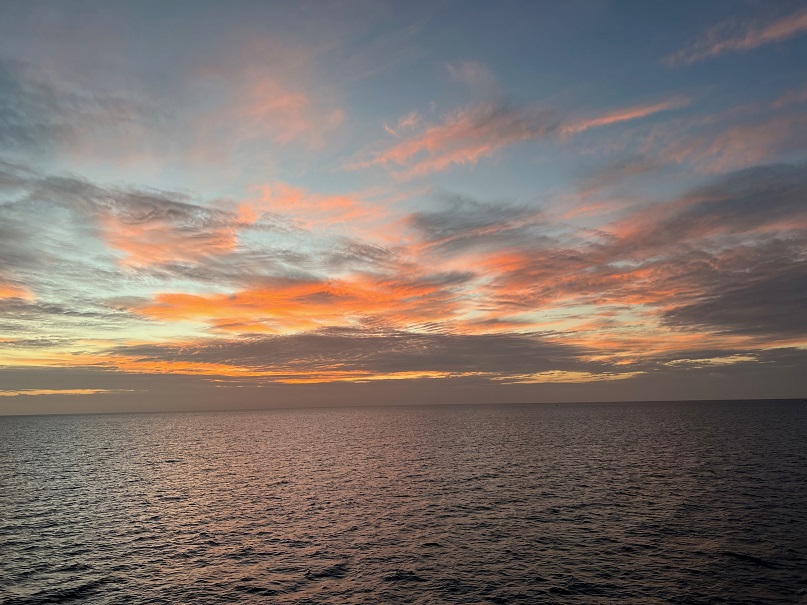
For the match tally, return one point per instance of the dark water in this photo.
(644, 503)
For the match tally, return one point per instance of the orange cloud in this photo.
(162, 241)
(8, 290)
(296, 306)
(561, 376)
(21, 392)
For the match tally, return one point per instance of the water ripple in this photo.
(661, 503)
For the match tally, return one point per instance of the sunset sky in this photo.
(244, 204)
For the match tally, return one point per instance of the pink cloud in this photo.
(467, 135)
(725, 37)
(464, 137)
(406, 122)
(710, 150)
(624, 115)
(165, 240)
(260, 106)
(309, 209)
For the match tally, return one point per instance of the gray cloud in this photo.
(464, 223)
(380, 352)
(740, 202)
(761, 292)
(39, 114)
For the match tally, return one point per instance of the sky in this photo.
(272, 204)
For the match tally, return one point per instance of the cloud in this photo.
(648, 285)
(734, 239)
(659, 258)
(467, 135)
(465, 223)
(19, 308)
(287, 305)
(148, 227)
(37, 392)
(464, 137)
(363, 354)
(9, 290)
(759, 291)
(714, 146)
(41, 113)
(166, 233)
(250, 265)
(791, 97)
(763, 199)
(254, 96)
(624, 115)
(257, 106)
(407, 122)
(477, 76)
(731, 254)
(307, 209)
(729, 37)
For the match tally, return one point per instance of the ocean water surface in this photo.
(573, 503)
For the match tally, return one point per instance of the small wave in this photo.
(80, 592)
(403, 576)
(748, 558)
(258, 590)
(334, 571)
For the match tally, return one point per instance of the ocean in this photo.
(695, 502)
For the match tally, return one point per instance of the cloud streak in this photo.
(728, 37)
(624, 115)
(465, 136)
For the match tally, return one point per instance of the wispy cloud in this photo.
(308, 209)
(258, 107)
(730, 36)
(467, 135)
(35, 392)
(725, 145)
(624, 115)
(459, 224)
(405, 123)
(476, 76)
(463, 137)
(41, 112)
